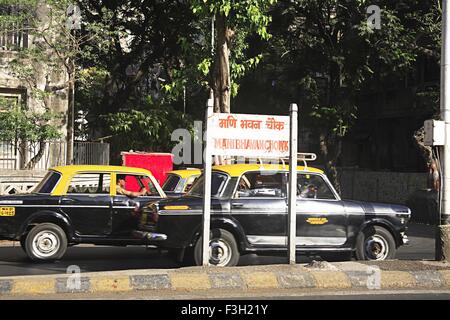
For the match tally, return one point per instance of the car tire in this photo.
(375, 243)
(223, 246)
(46, 242)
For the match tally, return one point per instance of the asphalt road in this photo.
(13, 260)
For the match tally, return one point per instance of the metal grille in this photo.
(15, 157)
(91, 153)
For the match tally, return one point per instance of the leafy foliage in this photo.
(147, 129)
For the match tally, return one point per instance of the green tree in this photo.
(27, 129)
(146, 128)
(54, 51)
(328, 58)
(234, 21)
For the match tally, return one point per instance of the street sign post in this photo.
(207, 185)
(250, 136)
(292, 195)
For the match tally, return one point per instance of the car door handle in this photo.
(237, 205)
(68, 200)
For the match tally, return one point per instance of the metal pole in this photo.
(292, 194)
(207, 188)
(444, 228)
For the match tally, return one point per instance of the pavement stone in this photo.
(397, 279)
(296, 280)
(335, 276)
(154, 281)
(72, 285)
(331, 279)
(430, 279)
(5, 286)
(226, 281)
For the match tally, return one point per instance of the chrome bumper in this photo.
(152, 236)
(405, 239)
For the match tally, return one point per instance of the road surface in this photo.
(13, 260)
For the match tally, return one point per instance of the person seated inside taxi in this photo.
(120, 188)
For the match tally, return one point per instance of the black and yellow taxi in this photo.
(179, 182)
(249, 215)
(79, 204)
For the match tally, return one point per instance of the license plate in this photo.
(7, 211)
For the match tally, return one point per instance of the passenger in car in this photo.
(120, 188)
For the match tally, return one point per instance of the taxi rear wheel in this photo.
(375, 243)
(46, 242)
(223, 249)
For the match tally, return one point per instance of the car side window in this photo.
(149, 185)
(90, 183)
(136, 183)
(189, 183)
(311, 186)
(260, 184)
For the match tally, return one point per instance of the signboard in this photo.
(248, 135)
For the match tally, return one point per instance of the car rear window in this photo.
(48, 183)
(171, 183)
(218, 182)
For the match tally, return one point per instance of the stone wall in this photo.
(391, 187)
(19, 181)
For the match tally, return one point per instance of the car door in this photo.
(125, 211)
(321, 216)
(87, 203)
(259, 205)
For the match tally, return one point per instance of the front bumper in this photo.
(405, 239)
(151, 236)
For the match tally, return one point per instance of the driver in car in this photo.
(120, 188)
(309, 192)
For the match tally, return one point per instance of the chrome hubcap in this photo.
(45, 244)
(219, 253)
(376, 248)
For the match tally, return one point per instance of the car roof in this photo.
(186, 173)
(86, 168)
(236, 170)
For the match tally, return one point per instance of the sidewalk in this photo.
(393, 274)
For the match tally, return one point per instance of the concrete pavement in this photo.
(321, 275)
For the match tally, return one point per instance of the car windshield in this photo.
(171, 183)
(218, 182)
(48, 183)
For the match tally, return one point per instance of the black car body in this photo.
(254, 219)
(78, 204)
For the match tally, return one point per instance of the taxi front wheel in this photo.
(223, 249)
(375, 243)
(46, 242)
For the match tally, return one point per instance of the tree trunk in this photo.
(70, 121)
(331, 148)
(221, 77)
(32, 163)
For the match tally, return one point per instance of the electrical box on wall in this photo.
(434, 133)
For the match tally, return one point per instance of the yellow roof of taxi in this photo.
(92, 168)
(236, 170)
(186, 173)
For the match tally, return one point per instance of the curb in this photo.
(236, 278)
